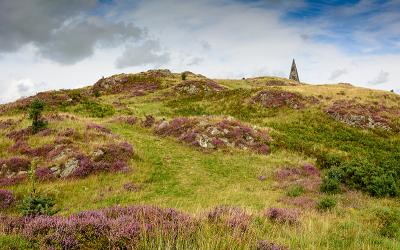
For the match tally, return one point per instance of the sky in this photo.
(47, 44)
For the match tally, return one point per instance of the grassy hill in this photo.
(260, 163)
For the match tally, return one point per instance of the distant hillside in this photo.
(257, 163)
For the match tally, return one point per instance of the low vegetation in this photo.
(162, 160)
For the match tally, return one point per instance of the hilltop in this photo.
(259, 163)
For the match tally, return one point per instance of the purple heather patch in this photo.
(208, 134)
(283, 215)
(233, 217)
(118, 227)
(6, 198)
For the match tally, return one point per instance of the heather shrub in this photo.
(112, 152)
(373, 115)
(330, 186)
(232, 217)
(35, 113)
(276, 98)
(295, 191)
(148, 121)
(9, 181)
(311, 170)
(268, 245)
(6, 199)
(283, 215)
(302, 202)
(209, 134)
(19, 135)
(35, 204)
(110, 228)
(109, 158)
(14, 164)
(7, 123)
(44, 174)
(99, 128)
(41, 151)
(300, 180)
(130, 120)
(326, 203)
(389, 222)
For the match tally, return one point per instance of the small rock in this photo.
(163, 125)
(262, 177)
(70, 167)
(215, 131)
(204, 142)
(22, 173)
(97, 154)
(55, 170)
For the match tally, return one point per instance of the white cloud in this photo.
(337, 73)
(148, 53)
(221, 38)
(17, 88)
(382, 77)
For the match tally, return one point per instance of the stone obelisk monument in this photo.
(293, 72)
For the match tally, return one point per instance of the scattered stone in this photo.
(22, 173)
(70, 166)
(198, 87)
(360, 115)
(208, 134)
(262, 177)
(97, 154)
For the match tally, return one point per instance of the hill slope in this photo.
(254, 163)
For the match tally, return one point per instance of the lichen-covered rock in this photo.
(360, 115)
(70, 166)
(209, 134)
(198, 87)
(158, 73)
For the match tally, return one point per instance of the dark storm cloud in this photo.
(65, 31)
(77, 40)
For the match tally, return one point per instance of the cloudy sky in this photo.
(48, 44)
